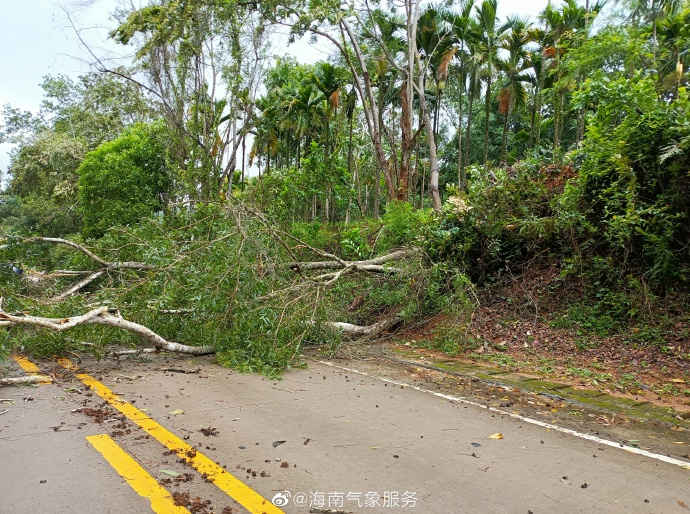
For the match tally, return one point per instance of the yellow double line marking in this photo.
(226, 482)
(30, 368)
(135, 475)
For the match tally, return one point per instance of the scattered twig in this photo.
(127, 377)
(279, 389)
(176, 311)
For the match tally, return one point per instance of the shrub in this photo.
(122, 181)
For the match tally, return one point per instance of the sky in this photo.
(37, 39)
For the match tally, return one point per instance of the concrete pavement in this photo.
(321, 438)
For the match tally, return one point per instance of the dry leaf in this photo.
(677, 380)
(170, 472)
(176, 412)
(683, 505)
(497, 435)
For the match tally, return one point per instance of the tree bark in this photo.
(34, 379)
(101, 316)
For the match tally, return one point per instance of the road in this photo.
(122, 437)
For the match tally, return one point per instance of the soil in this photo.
(522, 325)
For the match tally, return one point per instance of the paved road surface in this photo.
(322, 438)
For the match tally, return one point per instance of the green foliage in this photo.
(122, 181)
(450, 338)
(317, 190)
(354, 244)
(636, 199)
(403, 224)
(43, 184)
(95, 108)
(230, 285)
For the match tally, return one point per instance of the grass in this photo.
(592, 377)
(500, 359)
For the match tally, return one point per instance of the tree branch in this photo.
(34, 379)
(101, 316)
(85, 251)
(78, 286)
(374, 265)
(355, 331)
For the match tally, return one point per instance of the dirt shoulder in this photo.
(631, 423)
(539, 324)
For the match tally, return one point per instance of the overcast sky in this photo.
(38, 39)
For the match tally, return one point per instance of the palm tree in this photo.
(652, 10)
(435, 46)
(564, 29)
(329, 80)
(491, 37)
(474, 76)
(559, 24)
(674, 32)
(537, 81)
(513, 93)
(462, 30)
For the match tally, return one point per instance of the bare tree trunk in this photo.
(504, 140)
(419, 87)
(407, 142)
(462, 176)
(469, 131)
(487, 114)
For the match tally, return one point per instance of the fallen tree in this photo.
(219, 279)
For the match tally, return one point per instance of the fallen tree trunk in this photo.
(101, 316)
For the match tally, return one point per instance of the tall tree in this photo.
(202, 62)
(462, 31)
(514, 67)
(492, 32)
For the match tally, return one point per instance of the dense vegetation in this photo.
(492, 146)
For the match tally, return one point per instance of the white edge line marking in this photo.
(588, 437)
